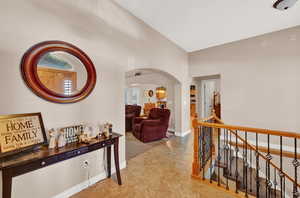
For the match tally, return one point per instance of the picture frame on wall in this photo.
(21, 132)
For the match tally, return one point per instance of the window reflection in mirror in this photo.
(62, 73)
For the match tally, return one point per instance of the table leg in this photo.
(7, 183)
(116, 155)
(108, 150)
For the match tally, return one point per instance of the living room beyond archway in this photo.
(151, 99)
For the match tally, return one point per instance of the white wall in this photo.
(259, 79)
(116, 42)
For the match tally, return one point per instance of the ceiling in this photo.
(199, 24)
(132, 73)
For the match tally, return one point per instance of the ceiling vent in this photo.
(137, 74)
(284, 4)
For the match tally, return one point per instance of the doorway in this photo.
(208, 95)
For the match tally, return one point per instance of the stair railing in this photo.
(217, 157)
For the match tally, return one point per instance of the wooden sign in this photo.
(72, 133)
(21, 132)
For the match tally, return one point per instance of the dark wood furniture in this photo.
(131, 112)
(217, 104)
(43, 157)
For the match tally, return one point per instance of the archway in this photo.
(149, 79)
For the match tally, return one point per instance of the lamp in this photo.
(161, 93)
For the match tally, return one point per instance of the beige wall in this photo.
(116, 42)
(259, 79)
(259, 84)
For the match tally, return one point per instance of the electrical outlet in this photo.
(85, 164)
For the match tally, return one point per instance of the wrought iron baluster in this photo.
(250, 170)
(224, 150)
(230, 155)
(246, 163)
(296, 165)
(266, 179)
(199, 146)
(219, 147)
(269, 157)
(257, 168)
(275, 182)
(236, 162)
(211, 158)
(280, 174)
(203, 151)
(243, 164)
(284, 186)
(227, 148)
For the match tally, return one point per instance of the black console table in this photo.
(24, 163)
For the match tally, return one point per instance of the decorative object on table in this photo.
(101, 129)
(72, 133)
(61, 139)
(92, 130)
(53, 138)
(83, 138)
(58, 72)
(107, 131)
(21, 132)
(110, 129)
(86, 135)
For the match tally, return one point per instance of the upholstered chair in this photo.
(152, 128)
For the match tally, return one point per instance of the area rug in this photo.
(135, 147)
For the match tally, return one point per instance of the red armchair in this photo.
(152, 128)
(131, 111)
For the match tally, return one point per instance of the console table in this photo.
(24, 163)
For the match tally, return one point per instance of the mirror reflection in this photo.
(62, 73)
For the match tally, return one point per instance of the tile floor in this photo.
(163, 171)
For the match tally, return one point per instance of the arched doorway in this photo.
(140, 82)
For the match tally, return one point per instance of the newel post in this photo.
(196, 161)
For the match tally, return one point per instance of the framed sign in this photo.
(21, 132)
(72, 133)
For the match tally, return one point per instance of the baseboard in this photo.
(171, 130)
(179, 134)
(79, 187)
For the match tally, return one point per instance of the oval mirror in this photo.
(58, 71)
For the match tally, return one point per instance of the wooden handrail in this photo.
(250, 129)
(232, 129)
(263, 156)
